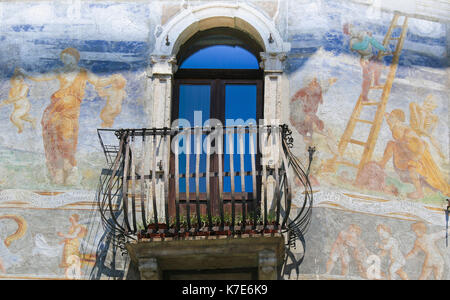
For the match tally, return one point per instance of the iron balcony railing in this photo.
(172, 183)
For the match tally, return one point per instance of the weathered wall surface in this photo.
(50, 158)
(40, 182)
(349, 210)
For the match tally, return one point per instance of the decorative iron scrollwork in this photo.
(120, 183)
(286, 133)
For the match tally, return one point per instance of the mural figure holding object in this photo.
(411, 158)
(365, 45)
(18, 97)
(60, 121)
(424, 122)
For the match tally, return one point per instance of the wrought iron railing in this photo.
(218, 181)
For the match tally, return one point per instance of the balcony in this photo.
(203, 189)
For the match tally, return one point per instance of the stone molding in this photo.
(273, 62)
(162, 65)
(236, 15)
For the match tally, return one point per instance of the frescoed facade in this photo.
(364, 83)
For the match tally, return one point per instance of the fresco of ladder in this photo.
(369, 145)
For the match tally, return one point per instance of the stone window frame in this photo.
(184, 25)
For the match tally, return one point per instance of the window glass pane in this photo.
(194, 99)
(221, 57)
(194, 106)
(240, 109)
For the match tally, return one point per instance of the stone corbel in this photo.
(267, 265)
(149, 269)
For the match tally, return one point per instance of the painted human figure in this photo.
(344, 248)
(389, 245)
(303, 111)
(426, 242)
(60, 121)
(304, 106)
(115, 94)
(411, 159)
(73, 271)
(340, 251)
(18, 97)
(347, 246)
(424, 122)
(72, 258)
(359, 252)
(365, 45)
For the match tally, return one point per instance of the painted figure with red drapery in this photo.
(60, 120)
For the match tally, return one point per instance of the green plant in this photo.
(216, 220)
(140, 227)
(271, 217)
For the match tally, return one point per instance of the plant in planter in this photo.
(259, 225)
(271, 222)
(140, 231)
(247, 226)
(172, 226)
(204, 228)
(239, 221)
(227, 220)
(216, 221)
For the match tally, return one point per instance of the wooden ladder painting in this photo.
(369, 145)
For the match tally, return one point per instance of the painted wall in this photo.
(405, 183)
(50, 169)
(51, 157)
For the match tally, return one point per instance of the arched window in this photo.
(219, 78)
(221, 57)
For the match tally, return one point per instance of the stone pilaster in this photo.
(162, 68)
(273, 65)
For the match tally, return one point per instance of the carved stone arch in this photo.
(193, 19)
(234, 15)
